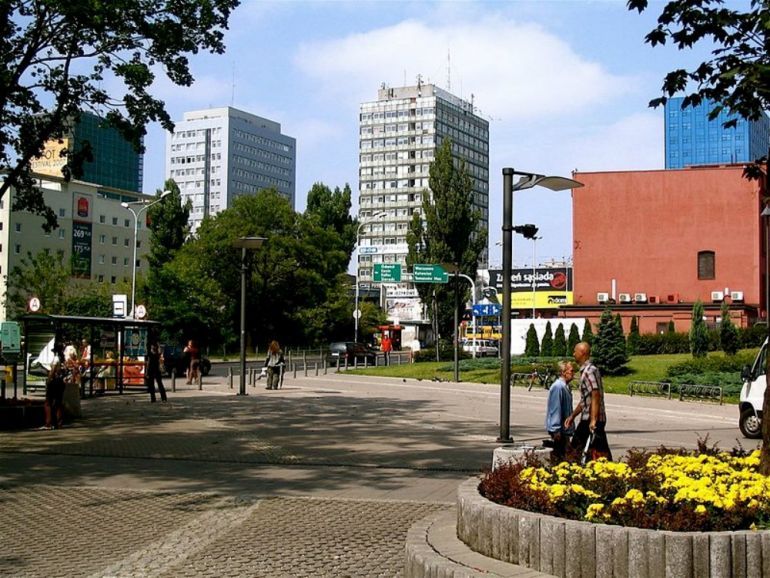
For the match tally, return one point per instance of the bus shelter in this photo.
(115, 362)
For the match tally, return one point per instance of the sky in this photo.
(565, 86)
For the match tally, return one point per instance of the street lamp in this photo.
(144, 206)
(245, 243)
(527, 181)
(356, 312)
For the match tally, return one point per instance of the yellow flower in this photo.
(700, 509)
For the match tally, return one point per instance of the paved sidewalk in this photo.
(298, 482)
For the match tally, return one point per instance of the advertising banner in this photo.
(404, 308)
(81, 249)
(51, 162)
(552, 287)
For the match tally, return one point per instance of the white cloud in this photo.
(516, 71)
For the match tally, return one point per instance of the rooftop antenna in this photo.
(232, 95)
(448, 71)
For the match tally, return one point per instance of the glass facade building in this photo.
(116, 163)
(692, 139)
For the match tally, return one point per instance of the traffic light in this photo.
(528, 231)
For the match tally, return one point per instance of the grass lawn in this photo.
(641, 368)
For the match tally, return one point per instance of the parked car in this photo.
(352, 352)
(483, 347)
(174, 357)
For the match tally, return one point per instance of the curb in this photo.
(433, 550)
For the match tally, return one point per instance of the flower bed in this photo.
(673, 490)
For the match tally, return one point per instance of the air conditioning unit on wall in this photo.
(624, 297)
(717, 296)
(672, 298)
(736, 296)
(602, 297)
(654, 299)
(640, 297)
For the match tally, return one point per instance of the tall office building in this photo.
(692, 139)
(399, 135)
(218, 154)
(115, 161)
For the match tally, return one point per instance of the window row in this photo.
(239, 134)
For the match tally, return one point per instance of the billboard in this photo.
(552, 287)
(51, 162)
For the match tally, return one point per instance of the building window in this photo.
(113, 279)
(706, 265)
(62, 232)
(101, 259)
(126, 223)
(18, 227)
(62, 212)
(102, 239)
(17, 249)
(101, 278)
(125, 261)
(114, 240)
(114, 220)
(125, 242)
(102, 219)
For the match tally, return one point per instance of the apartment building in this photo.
(399, 135)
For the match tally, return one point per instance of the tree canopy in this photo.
(60, 58)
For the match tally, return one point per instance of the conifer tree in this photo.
(559, 342)
(699, 337)
(532, 348)
(671, 326)
(574, 338)
(546, 346)
(609, 346)
(632, 343)
(588, 334)
(728, 334)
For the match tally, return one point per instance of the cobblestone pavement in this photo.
(303, 482)
(53, 531)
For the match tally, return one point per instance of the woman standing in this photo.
(274, 364)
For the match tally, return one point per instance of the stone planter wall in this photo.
(575, 549)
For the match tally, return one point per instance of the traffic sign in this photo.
(486, 310)
(387, 272)
(429, 274)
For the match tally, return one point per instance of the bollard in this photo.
(230, 377)
(324, 362)
(173, 380)
(316, 368)
(294, 369)
(304, 363)
(200, 381)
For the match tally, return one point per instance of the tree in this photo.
(574, 338)
(169, 225)
(671, 326)
(46, 276)
(546, 345)
(699, 337)
(609, 346)
(447, 231)
(559, 342)
(61, 58)
(588, 334)
(728, 333)
(532, 347)
(632, 343)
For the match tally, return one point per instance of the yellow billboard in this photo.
(543, 299)
(51, 162)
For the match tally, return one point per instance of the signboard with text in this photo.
(81, 249)
(552, 287)
(423, 273)
(387, 272)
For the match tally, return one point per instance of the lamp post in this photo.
(356, 312)
(766, 214)
(534, 274)
(144, 206)
(527, 181)
(244, 244)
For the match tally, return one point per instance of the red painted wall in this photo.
(645, 228)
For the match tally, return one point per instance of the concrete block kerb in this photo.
(568, 548)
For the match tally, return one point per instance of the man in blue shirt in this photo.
(559, 409)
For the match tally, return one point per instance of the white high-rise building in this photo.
(218, 154)
(399, 135)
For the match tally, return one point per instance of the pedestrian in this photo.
(152, 372)
(387, 346)
(559, 408)
(593, 418)
(274, 364)
(194, 356)
(54, 390)
(71, 399)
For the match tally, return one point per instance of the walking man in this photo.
(559, 409)
(593, 418)
(152, 373)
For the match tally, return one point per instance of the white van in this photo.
(753, 396)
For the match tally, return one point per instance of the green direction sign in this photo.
(430, 274)
(387, 272)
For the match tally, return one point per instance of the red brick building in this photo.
(651, 243)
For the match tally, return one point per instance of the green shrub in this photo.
(588, 334)
(752, 336)
(632, 343)
(660, 343)
(532, 347)
(699, 338)
(546, 346)
(713, 363)
(573, 339)
(559, 342)
(446, 354)
(609, 346)
(729, 381)
(728, 334)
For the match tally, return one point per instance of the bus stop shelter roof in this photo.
(38, 318)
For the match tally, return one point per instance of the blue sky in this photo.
(564, 84)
